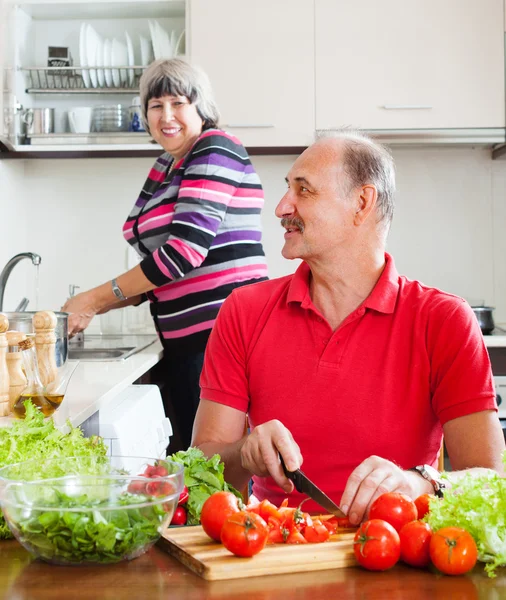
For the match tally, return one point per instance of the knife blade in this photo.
(304, 485)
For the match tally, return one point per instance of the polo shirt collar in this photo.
(382, 298)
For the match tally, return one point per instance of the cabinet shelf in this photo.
(80, 80)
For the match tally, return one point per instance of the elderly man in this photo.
(345, 365)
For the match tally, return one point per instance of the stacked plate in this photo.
(109, 118)
(109, 62)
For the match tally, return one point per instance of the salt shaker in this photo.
(44, 323)
(17, 377)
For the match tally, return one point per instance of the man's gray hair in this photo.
(366, 161)
(175, 77)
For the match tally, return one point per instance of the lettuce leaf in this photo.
(35, 437)
(478, 505)
(202, 477)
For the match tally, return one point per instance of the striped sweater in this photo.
(196, 225)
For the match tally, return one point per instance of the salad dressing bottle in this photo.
(34, 390)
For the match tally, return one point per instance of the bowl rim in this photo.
(88, 457)
(51, 483)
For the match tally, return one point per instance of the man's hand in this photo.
(376, 476)
(259, 453)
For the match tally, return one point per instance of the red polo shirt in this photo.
(406, 361)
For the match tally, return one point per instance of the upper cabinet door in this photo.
(260, 59)
(409, 64)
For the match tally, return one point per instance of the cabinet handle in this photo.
(407, 107)
(248, 125)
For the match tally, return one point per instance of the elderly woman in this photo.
(196, 226)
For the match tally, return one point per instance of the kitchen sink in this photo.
(108, 347)
(100, 353)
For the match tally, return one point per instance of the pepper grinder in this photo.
(44, 323)
(4, 373)
(14, 357)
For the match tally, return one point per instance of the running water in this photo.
(36, 299)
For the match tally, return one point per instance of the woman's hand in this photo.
(81, 308)
(376, 476)
(259, 453)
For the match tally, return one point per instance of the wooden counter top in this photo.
(157, 576)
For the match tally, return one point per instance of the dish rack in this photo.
(58, 80)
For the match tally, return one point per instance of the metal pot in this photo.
(485, 318)
(22, 321)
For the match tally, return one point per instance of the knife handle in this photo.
(292, 475)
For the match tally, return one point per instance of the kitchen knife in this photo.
(305, 486)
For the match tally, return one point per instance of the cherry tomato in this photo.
(183, 496)
(394, 508)
(179, 516)
(216, 510)
(244, 533)
(415, 541)
(376, 545)
(422, 504)
(453, 550)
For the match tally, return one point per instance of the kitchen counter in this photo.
(156, 575)
(94, 384)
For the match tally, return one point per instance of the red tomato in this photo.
(415, 541)
(183, 496)
(317, 532)
(267, 509)
(331, 525)
(216, 510)
(179, 516)
(244, 533)
(295, 537)
(377, 546)
(453, 550)
(422, 504)
(394, 508)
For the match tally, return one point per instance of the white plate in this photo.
(99, 61)
(107, 62)
(92, 43)
(82, 55)
(146, 51)
(163, 41)
(119, 58)
(178, 48)
(131, 59)
(154, 39)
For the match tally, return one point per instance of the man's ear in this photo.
(366, 203)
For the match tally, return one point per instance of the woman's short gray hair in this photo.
(176, 77)
(366, 161)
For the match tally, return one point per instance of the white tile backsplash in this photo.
(447, 230)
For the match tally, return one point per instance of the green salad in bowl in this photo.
(97, 511)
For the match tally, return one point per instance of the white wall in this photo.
(447, 230)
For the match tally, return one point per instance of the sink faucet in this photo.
(4, 275)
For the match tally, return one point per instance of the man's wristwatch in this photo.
(117, 291)
(433, 476)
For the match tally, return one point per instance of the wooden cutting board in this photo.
(212, 561)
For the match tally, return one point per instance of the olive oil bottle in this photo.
(34, 390)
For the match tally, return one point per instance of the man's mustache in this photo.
(292, 222)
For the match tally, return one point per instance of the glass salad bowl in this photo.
(94, 511)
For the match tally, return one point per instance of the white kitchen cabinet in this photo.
(402, 64)
(260, 59)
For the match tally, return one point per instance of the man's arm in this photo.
(474, 442)
(220, 429)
